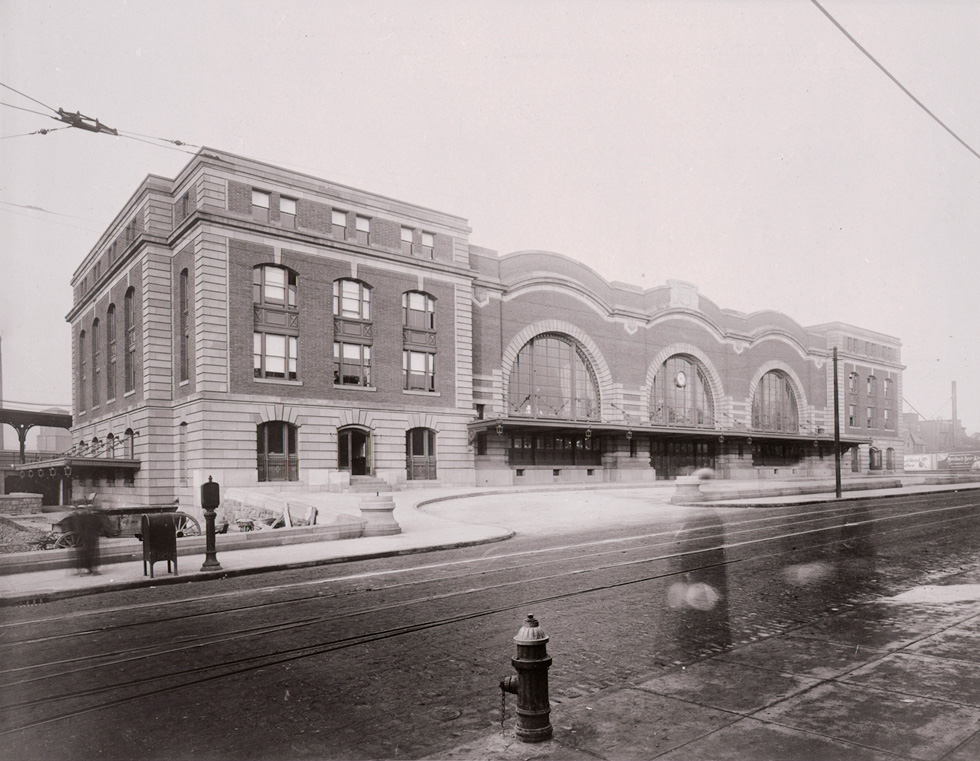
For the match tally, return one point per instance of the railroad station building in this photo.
(267, 328)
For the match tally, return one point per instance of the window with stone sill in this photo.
(260, 205)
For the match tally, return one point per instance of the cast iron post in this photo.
(210, 499)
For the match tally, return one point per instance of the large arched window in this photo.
(681, 395)
(82, 371)
(129, 328)
(96, 361)
(277, 456)
(774, 406)
(110, 345)
(552, 378)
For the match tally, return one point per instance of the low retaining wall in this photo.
(20, 503)
(131, 550)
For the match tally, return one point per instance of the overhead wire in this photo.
(61, 116)
(29, 98)
(28, 110)
(888, 74)
(35, 132)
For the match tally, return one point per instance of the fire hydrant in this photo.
(531, 683)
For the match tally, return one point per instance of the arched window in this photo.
(681, 395)
(552, 378)
(129, 326)
(110, 345)
(774, 406)
(129, 450)
(110, 446)
(419, 347)
(889, 459)
(353, 333)
(96, 361)
(82, 370)
(419, 310)
(185, 329)
(275, 338)
(277, 456)
(351, 299)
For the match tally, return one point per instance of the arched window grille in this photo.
(552, 378)
(774, 406)
(681, 395)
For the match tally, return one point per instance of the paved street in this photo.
(401, 657)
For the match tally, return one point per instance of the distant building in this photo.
(261, 326)
(937, 435)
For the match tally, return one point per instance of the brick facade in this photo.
(486, 309)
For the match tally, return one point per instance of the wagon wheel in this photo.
(65, 541)
(186, 525)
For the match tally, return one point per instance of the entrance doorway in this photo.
(420, 451)
(672, 458)
(354, 451)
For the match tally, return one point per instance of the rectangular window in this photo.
(428, 245)
(871, 385)
(887, 418)
(352, 364)
(274, 291)
(407, 238)
(420, 370)
(287, 212)
(363, 230)
(275, 356)
(851, 414)
(871, 417)
(338, 224)
(260, 206)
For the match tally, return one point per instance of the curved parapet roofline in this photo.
(620, 302)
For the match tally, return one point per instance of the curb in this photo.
(38, 598)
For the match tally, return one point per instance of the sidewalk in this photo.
(897, 678)
(421, 532)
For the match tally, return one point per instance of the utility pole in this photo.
(952, 433)
(836, 429)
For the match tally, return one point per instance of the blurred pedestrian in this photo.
(88, 525)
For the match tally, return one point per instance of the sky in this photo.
(745, 146)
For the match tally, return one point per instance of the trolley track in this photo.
(586, 549)
(187, 677)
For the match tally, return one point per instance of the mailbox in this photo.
(210, 495)
(159, 540)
